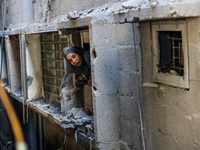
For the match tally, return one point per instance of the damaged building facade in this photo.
(144, 67)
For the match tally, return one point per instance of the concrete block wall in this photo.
(105, 86)
(115, 85)
(129, 83)
(171, 115)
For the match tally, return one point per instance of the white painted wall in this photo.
(33, 67)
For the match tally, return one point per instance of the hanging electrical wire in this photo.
(138, 96)
(64, 145)
(15, 124)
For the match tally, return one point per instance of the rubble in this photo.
(76, 118)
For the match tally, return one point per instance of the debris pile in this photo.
(76, 118)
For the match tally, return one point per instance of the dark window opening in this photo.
(171, 58)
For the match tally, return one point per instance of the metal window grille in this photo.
(53, 64)
(171, 53)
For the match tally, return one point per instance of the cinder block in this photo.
(105, 71)
(174, 117)
(128, 84)
(106, 118)
(129, 109)
(193, 30)
(109, 146)
(126, 58)
(124, 34)
(131, 134)
(104, 35)
(194, 61)
(156, 118)
(127, 34)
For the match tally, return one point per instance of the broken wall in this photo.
(116, 85)
(116, 69)
(171, 114)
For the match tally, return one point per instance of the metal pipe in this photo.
(40, 131)
(138, 96)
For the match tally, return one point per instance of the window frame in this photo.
(166, 78)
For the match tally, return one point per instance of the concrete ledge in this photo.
(56, 26)
(169, 10)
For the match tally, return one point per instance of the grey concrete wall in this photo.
(105, 86)
(171, 115)
(23, 12)
(129, 71)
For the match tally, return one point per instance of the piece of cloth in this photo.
(73, 49)
(85, 66)
(84, 54)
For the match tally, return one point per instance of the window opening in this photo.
(53, 64)
(12, 43)
(4, 71)
(171, 52)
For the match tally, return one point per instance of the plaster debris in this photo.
(76, 118)
(78, 113)
(73, 15)
(131, 4)
(153, 3)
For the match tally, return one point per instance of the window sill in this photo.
(17, 95)
(171, 80)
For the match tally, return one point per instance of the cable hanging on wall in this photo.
(137, 80)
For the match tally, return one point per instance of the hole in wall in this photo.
(94, 54)
(94, 88)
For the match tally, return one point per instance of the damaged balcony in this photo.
(56, 89)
